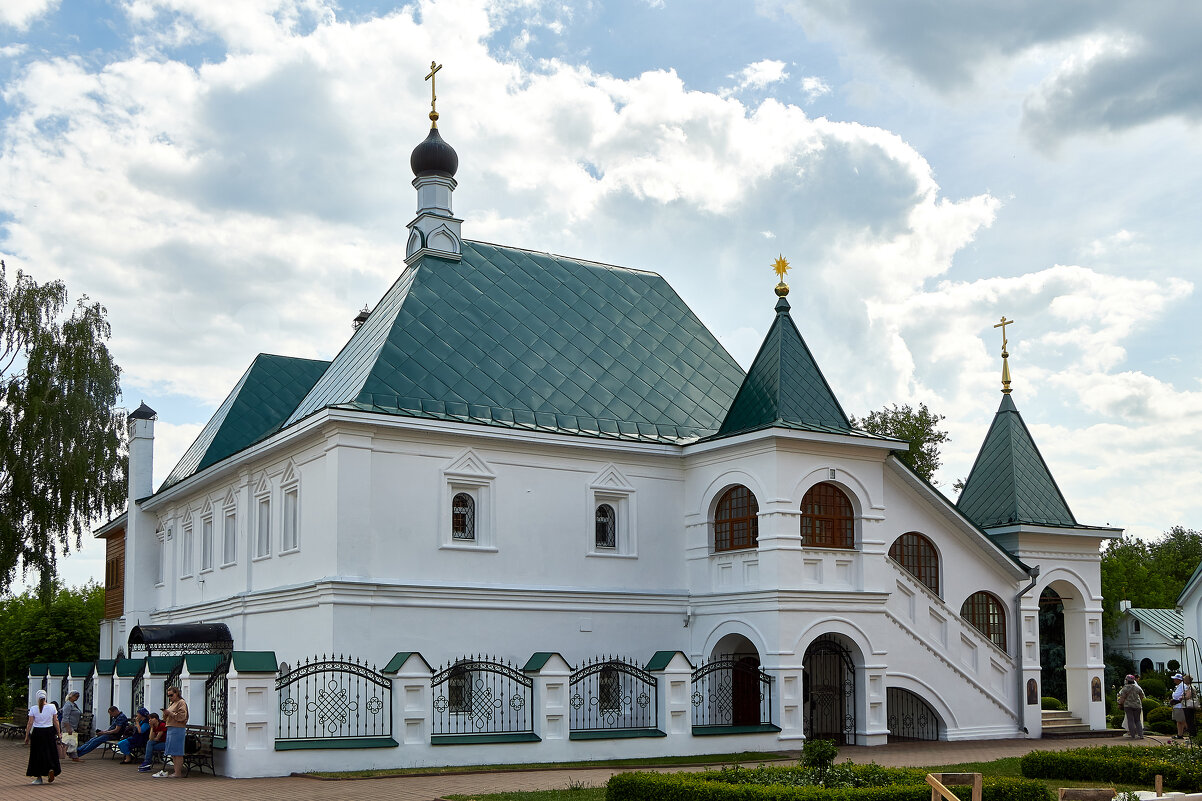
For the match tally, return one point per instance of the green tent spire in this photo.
(1010, 483)
(784, 386)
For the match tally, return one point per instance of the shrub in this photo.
(1150, 704)
(1048, 702)
(1116, 721)
(1154, 687)
(1163, 727)
(819, 753)
(907, 785)
(1173, 665)
(1160, 713)
(1181, 767)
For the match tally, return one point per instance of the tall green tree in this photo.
(919, 427)
(62, 460)
(1148, 573)
(63, 628)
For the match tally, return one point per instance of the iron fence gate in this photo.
(334, 699)
(829, 690)
(88, 684)
(62, 691)
(482, 695)
(172, 680)
(612, 693)
(216, 694)
(910, 717)
(139, 689)
(731, 692)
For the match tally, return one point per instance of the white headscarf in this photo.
(41, 694)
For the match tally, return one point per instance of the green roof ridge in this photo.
(785, 386)
(256, 407)
(1010, 482)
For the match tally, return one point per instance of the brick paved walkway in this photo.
(100, 779)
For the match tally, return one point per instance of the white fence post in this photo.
(412, 699)
(551, 674)
(250, 713)
(674, 675)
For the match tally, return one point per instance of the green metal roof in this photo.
(58, 668)
(128, 668)
(105, 667)
(38, 669)
(79, 669)
(520, 339)
(1010, 482)
(784, 387)
(202, 663)
(254, 661)
(661, 659)
(1169, 622)
(162, 665)
(257, 406)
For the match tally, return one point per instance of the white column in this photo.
(787, 701)
(550, 712)
(674, 677)
(250, 716)
(873, 727)
(412, 699)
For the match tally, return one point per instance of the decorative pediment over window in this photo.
(262, 486)
(611, 478)
(290, 474)
(230, 498)
(469, 464)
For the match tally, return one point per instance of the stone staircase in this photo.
(1063, 724)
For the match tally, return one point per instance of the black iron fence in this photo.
(333, 699)
(610, 693)
(482, 695)
(216, 696)
(172, 680)
(139, 689)
(89, 683)
(731, 692)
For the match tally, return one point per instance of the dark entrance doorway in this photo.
(829, 690)
(1051, 645)
(910, 717)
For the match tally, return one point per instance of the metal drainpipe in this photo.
(1033, 572)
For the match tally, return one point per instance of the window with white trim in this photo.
(263, 526)
(185, 552)
(206, 541)
(290, 539)
(229, 539)
(160, 555)
(611, 507)
(467, 507)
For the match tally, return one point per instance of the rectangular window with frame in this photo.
(185, 555)
(229, 553)
(206, 543)
(159, 551)
(263, 527)
(291, 539)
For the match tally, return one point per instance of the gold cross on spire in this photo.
(781, 266)
(1005, 356)
(434, 67)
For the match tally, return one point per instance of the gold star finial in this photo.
(434, 68)
(1005, 356)
(781, 266)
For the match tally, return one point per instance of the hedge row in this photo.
(706, 787)
(1118, 764)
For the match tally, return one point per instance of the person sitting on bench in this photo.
(158, 739)
(117, 723)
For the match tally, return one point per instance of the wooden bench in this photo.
(198, 749)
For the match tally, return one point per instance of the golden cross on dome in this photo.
(434, 68)
(1005, 356)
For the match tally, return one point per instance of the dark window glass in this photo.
(463, 517)
(609, 690)
(917, 555)
(986, 614)
(607, 527)
(736, 522)
(827, 520)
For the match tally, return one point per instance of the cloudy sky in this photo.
(231, 177)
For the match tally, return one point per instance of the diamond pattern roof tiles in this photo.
(256, 407)
(1010, 482)
(785, 388)
(528, 340)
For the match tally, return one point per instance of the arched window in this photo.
(463, 517)
(607, 527)
(736, 522)
(985, 612)
(827, 520)
(918, 556)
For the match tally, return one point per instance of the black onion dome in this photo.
(434, 157)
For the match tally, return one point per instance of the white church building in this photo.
(540, 504)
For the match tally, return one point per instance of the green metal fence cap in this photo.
(105, 667)
(162, 665)
(397, 662)
(539, 660)
(255, 662)
(82, 669)
(128, 668)
(661, 659)
(58, 668)
(38, 669)
(202, 664)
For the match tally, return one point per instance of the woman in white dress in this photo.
(41, 733)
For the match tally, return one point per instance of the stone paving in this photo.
(98, 778)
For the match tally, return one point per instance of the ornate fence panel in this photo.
(62, 691)
(139, 689)
(829, 691)
(216, 695)
(89, 683)
(612, 693)
(172, 680)
(909, 716)
(334, 699)
(731, 692)
(482, 695)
